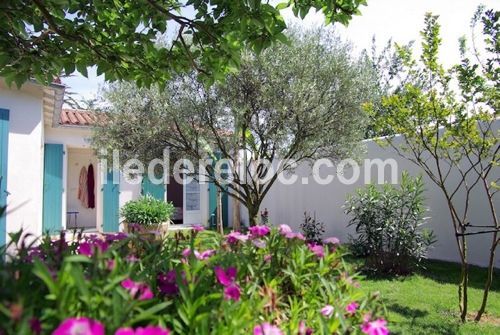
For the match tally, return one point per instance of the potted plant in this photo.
(147, 215)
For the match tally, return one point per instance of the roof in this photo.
(77, 117)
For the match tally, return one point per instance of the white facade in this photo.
(25, 157)
(32, 111)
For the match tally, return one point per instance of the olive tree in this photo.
(290, 104)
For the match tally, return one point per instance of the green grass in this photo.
(427, 302)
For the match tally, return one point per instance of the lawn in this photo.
(427, 302)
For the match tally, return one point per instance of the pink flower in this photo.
(167, 283)
(148, 330)
(377, 327)
(298, 236)
(137, 288)
(225, 277)
(186, 252)
(88, 248)
(268, 258)
(259, 231)
(332, 240)
(79, 326)
(266, 329)
(235, 237)
(352, 307)
(232, 292)
(285, 229)
(111, 264)
(259, 243)
(198, 227)
(327, 311)
(318, 250)
(303, 330)
(204, 255)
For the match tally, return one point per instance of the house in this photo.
(44, 148)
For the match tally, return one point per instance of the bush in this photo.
(190, 283)
(312, 229)
(147, 211)
(388, 224)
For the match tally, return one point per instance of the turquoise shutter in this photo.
(52, 188)
(111, 200)
(4, 146)
(212, 204)
(157, 191)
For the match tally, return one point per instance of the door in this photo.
(4, 145)
(110, 199)
(192, 203)
(52, 188)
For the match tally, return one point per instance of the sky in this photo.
(400, 20)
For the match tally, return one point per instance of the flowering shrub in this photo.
(269, 281)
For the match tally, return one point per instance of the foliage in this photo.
(144, 41)
(312, 229)
(147, 211)
(388, 224)
(292, 103)
(199, 282)
(448, 122)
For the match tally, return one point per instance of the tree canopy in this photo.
(293, 102)
(145, 41)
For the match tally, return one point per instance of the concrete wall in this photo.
(25, 159)
(287, 203)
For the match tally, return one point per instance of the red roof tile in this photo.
(77, 117)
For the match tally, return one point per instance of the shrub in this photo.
(388, 224)
(190, 283)
(147, 211)
(312, 229)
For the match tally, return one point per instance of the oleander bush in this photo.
(267, 281)
(388, 222)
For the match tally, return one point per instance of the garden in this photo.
(234, 85)
(265, 281)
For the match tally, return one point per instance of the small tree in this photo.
(293, 103)
(449, 131)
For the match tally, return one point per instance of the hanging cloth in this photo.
(90, 186)
(82, 188)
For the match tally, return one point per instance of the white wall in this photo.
(25, 159)
(287, 203)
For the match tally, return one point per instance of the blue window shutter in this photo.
(52, 188)
(157, 191)
(212, 202)
(4, 146)
(111, 204)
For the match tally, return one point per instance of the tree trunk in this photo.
(464, 281)
(253, 215)
(489, 279)
(236, 215)
(220, 223)
(491, 262)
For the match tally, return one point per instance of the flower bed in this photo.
(268, 281)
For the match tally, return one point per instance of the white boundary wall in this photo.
(287, 203)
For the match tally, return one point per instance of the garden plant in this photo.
(266, 281)
(388, 222)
